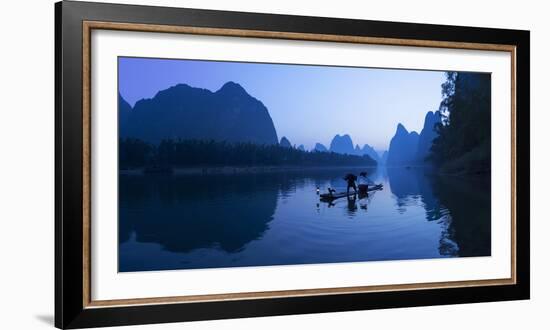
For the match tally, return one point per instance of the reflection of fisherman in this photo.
(350, 179)
(352, 206)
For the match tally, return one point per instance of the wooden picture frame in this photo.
(75, 308)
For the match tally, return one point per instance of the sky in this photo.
(308, 104)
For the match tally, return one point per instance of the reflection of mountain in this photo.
(186, 213)
(229, 114)
(473, 228)
(170, 210)
(461, 206)
(275, 217)
(417, 184)
(403, 182)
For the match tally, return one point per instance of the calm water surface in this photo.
(202, 221)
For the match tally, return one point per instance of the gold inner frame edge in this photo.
(88, 26)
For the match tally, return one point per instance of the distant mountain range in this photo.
(229, 114)
(340, 144)
(368, 150)
(410, 148)
(343, 144)
(320, 147)
(184, 112)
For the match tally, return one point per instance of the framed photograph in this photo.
(215, 164)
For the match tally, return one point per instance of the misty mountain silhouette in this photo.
(184, 112)
(285, 142)
(368, 150)
(384, 158)
(342, 145)
(413, 148)
(427, 135)
(124, 111)
(403, 147)
(320, 147)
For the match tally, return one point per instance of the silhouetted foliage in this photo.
(188, 153)
(134, 152)
(464, 140)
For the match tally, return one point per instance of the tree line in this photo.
(463, 144)
(188, 153)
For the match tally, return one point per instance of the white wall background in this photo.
(27, 163)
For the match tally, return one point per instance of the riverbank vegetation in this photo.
(463, 144)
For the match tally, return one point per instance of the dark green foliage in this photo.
(134, 152)
(464, 141)
(189, 153)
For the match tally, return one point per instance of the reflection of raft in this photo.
(362, 190)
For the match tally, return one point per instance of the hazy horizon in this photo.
(308, 104)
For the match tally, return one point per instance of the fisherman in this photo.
(363, 183)
(350, 179)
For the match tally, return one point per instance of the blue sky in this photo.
(308, 104)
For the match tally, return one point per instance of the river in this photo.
(259, 219)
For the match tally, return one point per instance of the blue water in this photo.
(230, 220)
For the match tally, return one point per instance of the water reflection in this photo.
(200, 221)
(462, 207)
(467, 201)
(177, 211)
(352, 206)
